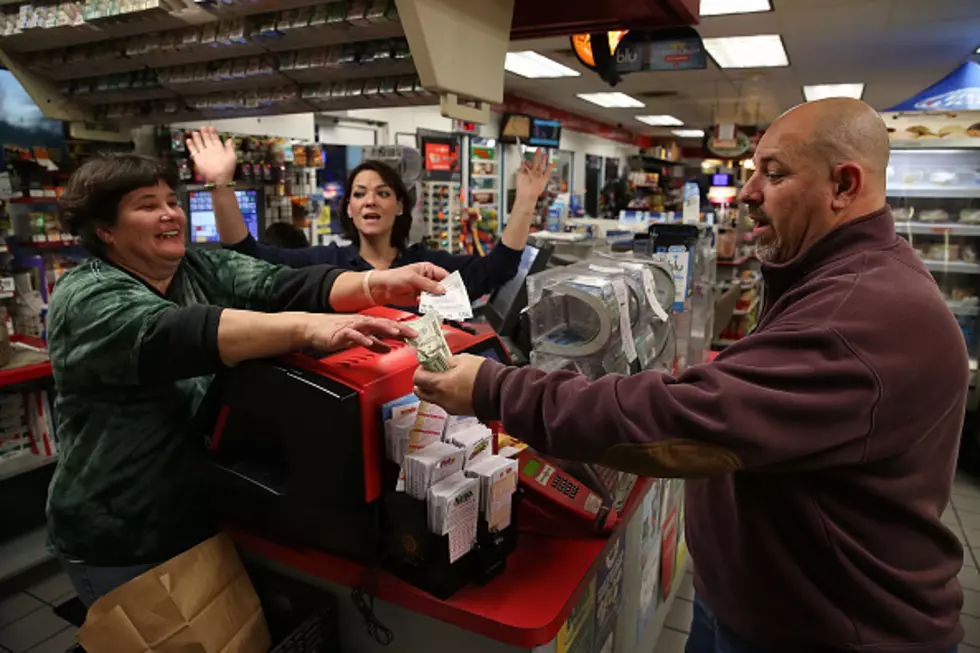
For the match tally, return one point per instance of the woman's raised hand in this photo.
(214, 160)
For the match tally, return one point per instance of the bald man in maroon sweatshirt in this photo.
(826, 440)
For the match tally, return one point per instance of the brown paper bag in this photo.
(199, 602)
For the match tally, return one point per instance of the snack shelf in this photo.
(960, 267)
(934, 193)
(938, 228)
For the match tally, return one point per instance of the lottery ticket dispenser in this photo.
(297, 442)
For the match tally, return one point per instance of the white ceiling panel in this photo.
(895, 47)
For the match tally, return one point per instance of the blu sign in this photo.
(679, 54)
(629, 58)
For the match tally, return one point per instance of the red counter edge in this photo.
(400, 593)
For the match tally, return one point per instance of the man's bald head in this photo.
(818, 167)
(843, 129)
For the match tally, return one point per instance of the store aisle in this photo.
(963, 516)
(27, 618)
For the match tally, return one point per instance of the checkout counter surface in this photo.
(525, 606)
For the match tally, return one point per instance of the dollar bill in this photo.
(431, 348)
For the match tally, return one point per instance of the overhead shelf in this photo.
(120, 26)
(960, 267)
(309, 37)
(934, 192)
(458, 49)
(938, 228)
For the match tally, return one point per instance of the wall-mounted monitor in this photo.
(721, 179)
(201, 223)
(545, 133)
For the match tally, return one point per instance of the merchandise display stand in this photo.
(935, 199)
(441, 214)
(547, 599)
(24, 474)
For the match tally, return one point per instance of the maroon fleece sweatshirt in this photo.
(828, 438)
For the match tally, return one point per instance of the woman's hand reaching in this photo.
(214, 160)
(333, 332)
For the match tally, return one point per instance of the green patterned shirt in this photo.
(131, 367)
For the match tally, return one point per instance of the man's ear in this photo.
(848, 184)
(105, 235)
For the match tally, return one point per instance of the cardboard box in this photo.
(202, 601)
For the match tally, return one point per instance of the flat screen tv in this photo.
(545, 133)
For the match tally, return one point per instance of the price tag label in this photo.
(650, 290)
(625, 329)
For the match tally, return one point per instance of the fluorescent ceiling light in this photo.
(764, 51)
(724, 7)
(824, 91)
(535, 66)
(611, 100)
(660, 121)
(689, 133)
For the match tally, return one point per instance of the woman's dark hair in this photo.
(92, 197)
(283, 234)
(403, 222)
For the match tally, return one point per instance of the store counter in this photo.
(548, 598)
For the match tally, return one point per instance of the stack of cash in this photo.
(430, 346)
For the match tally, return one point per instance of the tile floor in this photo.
(963, 516)
(27, 618)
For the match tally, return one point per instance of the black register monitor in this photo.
(200, 215)
(505, 306)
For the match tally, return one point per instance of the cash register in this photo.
(297, 443)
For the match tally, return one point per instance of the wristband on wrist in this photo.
(230, 184)
(366, 284)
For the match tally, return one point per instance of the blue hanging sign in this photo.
(958, 91)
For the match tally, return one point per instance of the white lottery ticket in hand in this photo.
(453, 305)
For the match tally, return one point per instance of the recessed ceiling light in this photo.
(724, 7)
(763, 51)
(611, 100)
(535, 66)
(824, 91)
(660, 121)
(689, 133)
